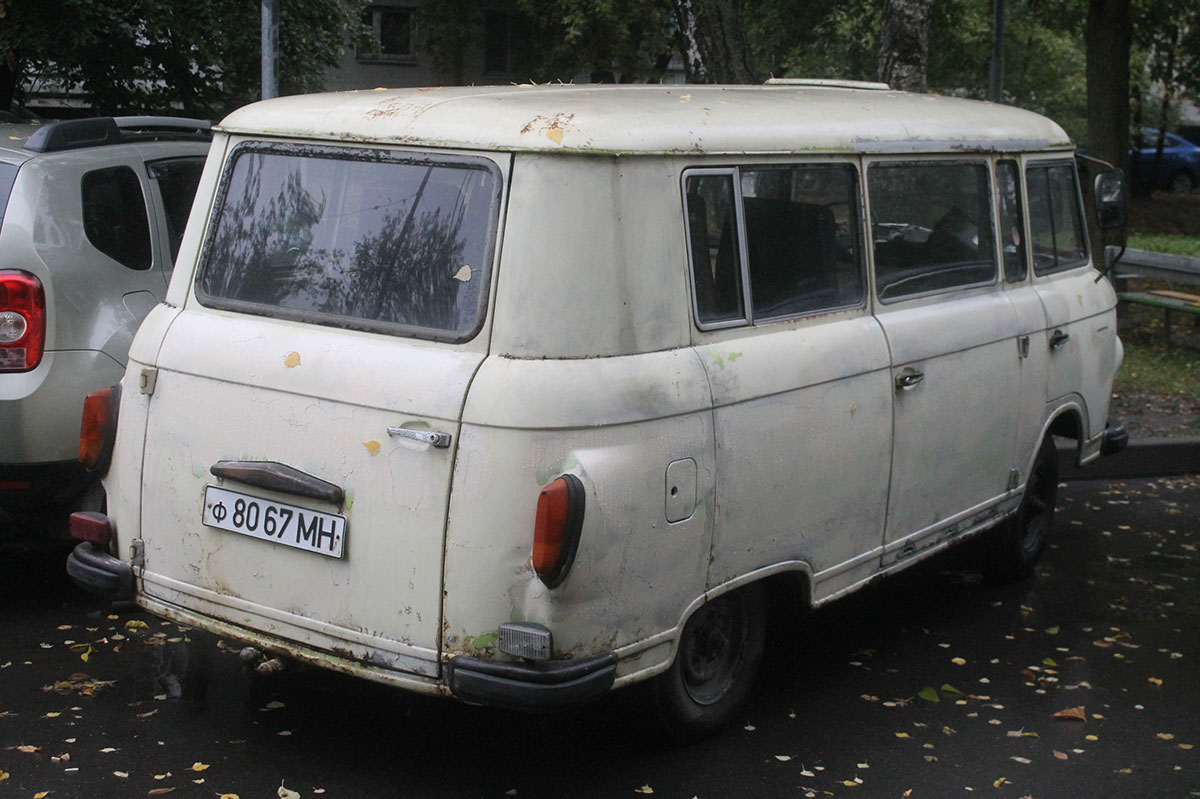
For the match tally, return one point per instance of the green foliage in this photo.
(1165, 242)
(625, 38)
(200, 58)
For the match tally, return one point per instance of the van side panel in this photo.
(632, 429)
(579, 276)
(803, 418)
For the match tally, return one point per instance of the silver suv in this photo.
(91, 215)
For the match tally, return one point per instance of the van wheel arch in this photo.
(716, 660)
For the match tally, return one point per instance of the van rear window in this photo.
(354, 238)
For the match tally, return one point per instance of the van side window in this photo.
(713, 243)
(801, 234)
(800, 226)
(1012, 223)
(932, 227)
(1055, 218)
(115, 219)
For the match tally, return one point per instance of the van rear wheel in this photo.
(1017, 544)
(718, 656)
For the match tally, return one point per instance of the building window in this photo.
(392, 41)
(506, 39)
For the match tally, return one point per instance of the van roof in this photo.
(655, 119)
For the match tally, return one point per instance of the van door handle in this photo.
(1058, 339)
(909, 379)
(431, 437)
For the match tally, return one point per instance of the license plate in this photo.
(290, 525)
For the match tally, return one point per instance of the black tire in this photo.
(1181, 182)
(719, 652)
(1017, 545)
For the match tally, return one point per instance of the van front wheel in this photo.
(719, 653)
(1018, 543)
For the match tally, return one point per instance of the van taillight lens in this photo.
(22, 321)
(556, 529)
(98, 430)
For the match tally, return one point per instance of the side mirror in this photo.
(1112, 203)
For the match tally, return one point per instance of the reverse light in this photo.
(22, 321)
(556, 528)
(98, 429)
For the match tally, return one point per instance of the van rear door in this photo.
(306, 404)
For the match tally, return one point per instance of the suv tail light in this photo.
(22, 321)
(556, 530)
(98, 430)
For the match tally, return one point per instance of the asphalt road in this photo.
(1080, 682)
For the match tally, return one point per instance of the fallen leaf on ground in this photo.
(1072, 713)
(644, 789)
(197, 766)
(285, 793)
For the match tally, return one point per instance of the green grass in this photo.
(1155, 366)
(1165, 242)
(1151, 362)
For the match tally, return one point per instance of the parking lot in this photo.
(1079, 682)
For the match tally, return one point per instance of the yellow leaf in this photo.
(958, 662)
(3, 775)
(199, 766)
(230, 796)
(1060, 755)
(122, 774)
(292, 360)
(1166, 736)
(645, 789)
(901, 735)
(999, 782)
(136, 624)
(41, 795)
(1155, 681)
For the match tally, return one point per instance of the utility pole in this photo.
(270, 49)
(996, 68)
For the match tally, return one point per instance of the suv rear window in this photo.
(354, 238)
(114, 216)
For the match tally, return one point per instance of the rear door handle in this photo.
(1058, 339)
(909, 379)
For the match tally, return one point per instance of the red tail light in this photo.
(22, 321)
(98, 430)
(556, 528)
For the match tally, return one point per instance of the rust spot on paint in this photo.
(292, 360)
(551, 127)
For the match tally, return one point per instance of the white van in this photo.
(521, 394)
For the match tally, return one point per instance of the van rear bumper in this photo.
(98, 572)
(536, 686)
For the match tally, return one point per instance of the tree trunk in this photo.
(904, 44)
(712, 39)
(1109, 35)
(8, 85)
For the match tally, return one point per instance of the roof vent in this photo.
(832, 83)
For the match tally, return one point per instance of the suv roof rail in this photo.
(74, 134)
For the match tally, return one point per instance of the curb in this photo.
(1145, 457)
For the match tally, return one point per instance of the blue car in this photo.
(1179, 170)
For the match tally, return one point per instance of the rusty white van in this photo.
(522, 394)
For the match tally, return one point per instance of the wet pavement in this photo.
(1082, 681)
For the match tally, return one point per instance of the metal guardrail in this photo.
(1161, 266)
